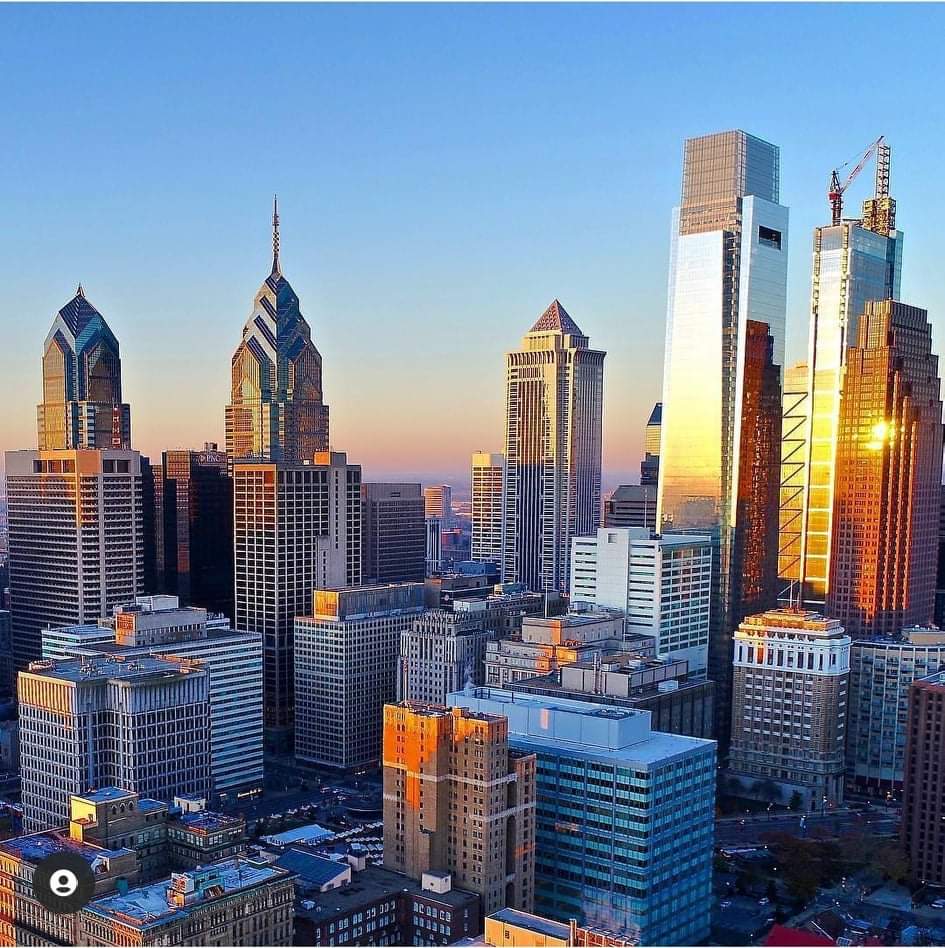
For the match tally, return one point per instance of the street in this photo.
(748, 831)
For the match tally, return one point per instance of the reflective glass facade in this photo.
(852, 265)
(721, 425)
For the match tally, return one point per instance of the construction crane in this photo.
(835, 194)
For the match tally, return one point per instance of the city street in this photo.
(748, 831)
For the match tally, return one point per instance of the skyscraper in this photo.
(296, 527)
(276, 411)
(720, 442)
(458, 799)
(631, 505)
(439, 503)
(488, 515)
(76, 539)
(884, 548)
(855, 262)
(650, 465)
(140, 725)
(194, 528)
(554, 387)
(346, 649)
(82, 406)
(393, 534)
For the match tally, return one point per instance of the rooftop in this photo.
(556, 319)
(112, 667)
(535, 923)
(206, 821)
(40, 845)
(312, 868)
(104, 794)
(148, 905)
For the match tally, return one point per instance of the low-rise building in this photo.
(235, 902)
(511, 928)
(200, 837)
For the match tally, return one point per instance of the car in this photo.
(938, 904)
(725, 903)
(764, 901)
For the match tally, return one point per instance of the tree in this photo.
(797, 801)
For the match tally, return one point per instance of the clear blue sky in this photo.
(443, 173)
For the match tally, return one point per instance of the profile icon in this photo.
(63, 882)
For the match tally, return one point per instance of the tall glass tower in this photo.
(855, 262)
(82, 406)
(276, 412)
(721, 423)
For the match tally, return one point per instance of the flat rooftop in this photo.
(148, 906)
(109, 667)
(40, 845)
(207, 821)
(534, 923)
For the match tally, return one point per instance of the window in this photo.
(769, 237)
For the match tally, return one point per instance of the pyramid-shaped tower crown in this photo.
(556, 319)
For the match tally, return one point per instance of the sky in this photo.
(443, 173)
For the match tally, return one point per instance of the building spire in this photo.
(80, 292)
(275, 235)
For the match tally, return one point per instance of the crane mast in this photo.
(880, 211)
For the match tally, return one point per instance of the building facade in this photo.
(458, 800)
(442, 650)
(82, 406)
(625, 816)
(923, 797)
(277, 410)
(488, 507)
(76, 539)
(663, 584)
(720, 437)
(346, 670)
(297, 527)
(789, 717)
(234, 902)
(554, 390)
(194, 528)
(881, 673)
(438, 502)
(393, 533)
(631, 505)
(855, 262)
(888, 465)
(139, 724)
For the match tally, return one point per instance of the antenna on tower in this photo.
(275, 234)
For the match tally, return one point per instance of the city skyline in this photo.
(367, 255)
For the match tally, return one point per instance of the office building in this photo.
(297, 527)
(235, 902)
(720, 437)
(663, 584)
(443, 650)
(139, 724)
(194, 528)
(789, 715)
(511, 928)
(888, 464)
(923, 796)
(455, 544)
(380, 907)
(158, 625)
(855, 262)
(82, 406)
(438, 502)
(346, 655)
(625, 815)
(24, 920)
(554, 386)
(677, 702)
(795, 432)
(76, 539)
(277, 410)
(393, 537)
(488, 507)
(650, 465)
(6, 655)
(458, 800)
(881, 673)
(940, 575)
(545, 644)
(631, 505)
(198, 837)
(434, 546)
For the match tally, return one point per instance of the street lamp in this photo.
(769, 810)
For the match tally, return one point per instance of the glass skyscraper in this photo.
(855, 262)
(82, 406)
(721, 423)
(276, 411)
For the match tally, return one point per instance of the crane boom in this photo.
(835, 194)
